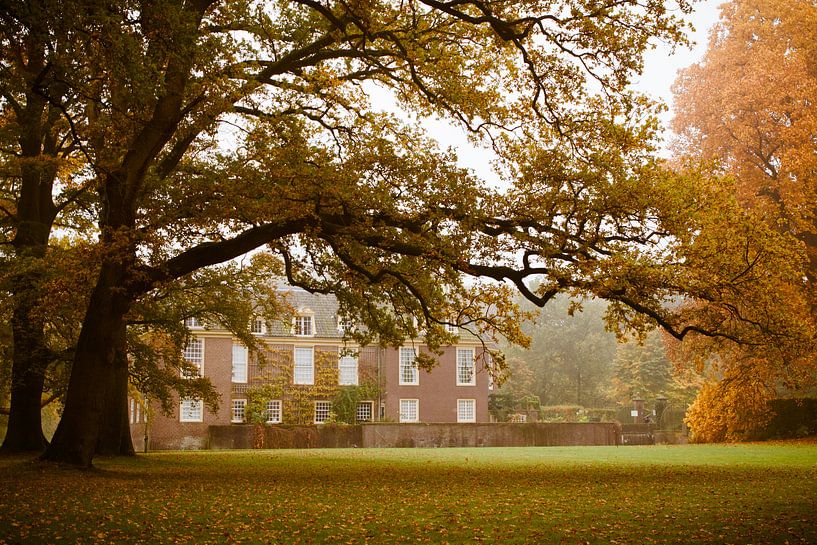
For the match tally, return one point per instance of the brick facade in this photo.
(437, 392)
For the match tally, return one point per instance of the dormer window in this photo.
(193, 323)
(452, 328)
(258, 326)
(345, 325)
(303, 326)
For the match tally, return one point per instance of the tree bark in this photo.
(92, 375)
(24, 432)
(33, 221)
(114, 432)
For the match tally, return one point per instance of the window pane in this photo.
(239, 363)
(364, 412)
(303, 326)
(347, 371)
(304, 366)
(274, 412)
(191, 410)
(466, 410)
(192, 323)
(465, 366)
(409, 410)
(322, 410)
(408, 366)
(239, 410)
(257, 326)
(194, 354)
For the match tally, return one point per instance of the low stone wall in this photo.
(284, 436)
(489, 435)
(413, 435)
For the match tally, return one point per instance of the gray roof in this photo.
(323, 308)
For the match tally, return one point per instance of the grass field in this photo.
(758, 493)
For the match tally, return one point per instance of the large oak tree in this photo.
(208, 129)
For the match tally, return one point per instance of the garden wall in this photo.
(412, 435)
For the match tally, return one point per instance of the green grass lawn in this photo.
(757, 493)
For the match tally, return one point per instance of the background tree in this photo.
(748, 110)
(570, 356)
(39, 183)
(645, 370)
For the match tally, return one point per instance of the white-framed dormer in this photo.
(193, 322)
(258, 325)
(345, 324)
(303, 323)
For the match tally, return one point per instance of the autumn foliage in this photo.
(747, 112)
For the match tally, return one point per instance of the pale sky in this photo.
(660, 68)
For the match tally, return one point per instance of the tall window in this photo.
(304, 326)
(258, 326)
(364, 411)
(274, 411)
(409, 410)
(239, 413)
(466, 410)
(194, 354)
(191, 410)
(304, 372)
(239, 363)
(134, 411)
(466, 375)
(408, 366)
(347, 371)
(322, 411)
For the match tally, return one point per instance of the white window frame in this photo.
(403, 367)
(452, 328)
(351, 369)
(262, 330)
(405, 412)
(240, 368)
(309, 378)
(370, 405)
(326, 408)
(193, 323)
(297, 328)
(200, 363)
(460, 368)
(274, 406)
(345, 325)
(463, 410)
(190, 416)
(238, 411)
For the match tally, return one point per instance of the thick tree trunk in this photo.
(24, 432)
(114, 432)
(93, 372)
(29, 362)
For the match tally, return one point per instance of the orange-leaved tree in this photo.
(747, 111)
